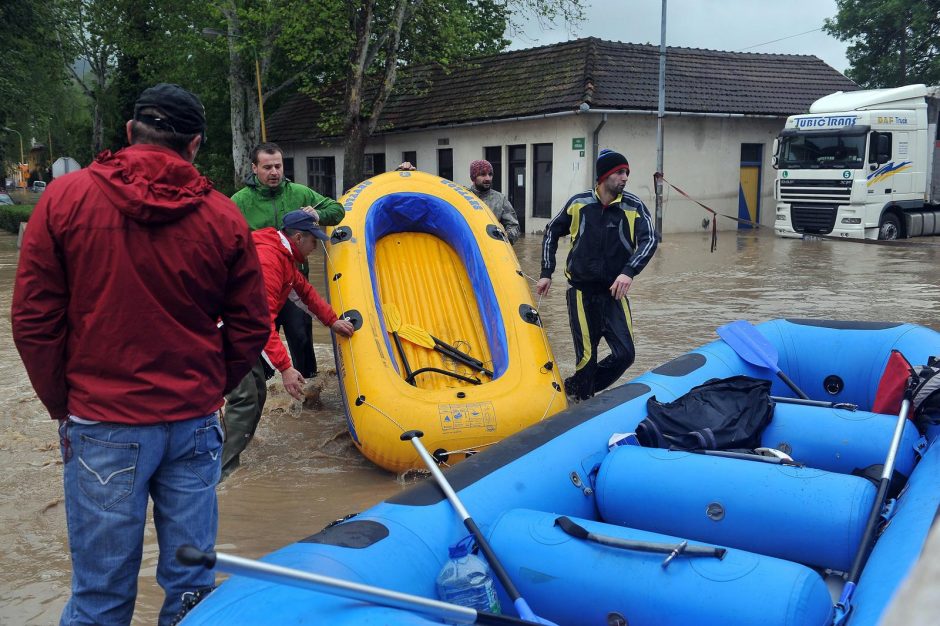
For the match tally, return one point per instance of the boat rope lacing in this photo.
(548, 350)
(471, 449)
(360, 397)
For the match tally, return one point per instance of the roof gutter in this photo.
(542, 116)
(527, 118)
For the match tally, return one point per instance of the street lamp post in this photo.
(22, 158)
(213, 33)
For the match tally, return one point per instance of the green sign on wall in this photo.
(577, 143)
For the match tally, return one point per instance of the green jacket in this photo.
(264, 207)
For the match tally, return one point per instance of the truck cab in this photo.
(860, 165)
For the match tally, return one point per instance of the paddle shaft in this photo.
(491, 557)
(462, 357)
(791, 384)
(404, 360)
(576, 530)
(518, 601)
(868, 538)
(457, 352)
(848, 406)
(347, 589)
(844, 605)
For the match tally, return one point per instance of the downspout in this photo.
(594, 147)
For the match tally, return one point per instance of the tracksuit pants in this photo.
(594, 316)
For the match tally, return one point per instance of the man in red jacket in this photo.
(280, 251)
(126, 269)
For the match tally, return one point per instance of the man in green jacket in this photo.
(264, 201)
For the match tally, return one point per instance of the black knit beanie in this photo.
(609, 162)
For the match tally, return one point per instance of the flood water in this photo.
(302, 472)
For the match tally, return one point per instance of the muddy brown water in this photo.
(302, 471)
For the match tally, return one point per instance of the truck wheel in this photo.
(890, 228)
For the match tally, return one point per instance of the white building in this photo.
(541, 115)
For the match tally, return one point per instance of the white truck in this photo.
(861, 164)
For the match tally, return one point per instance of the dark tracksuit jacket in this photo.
(605, 242)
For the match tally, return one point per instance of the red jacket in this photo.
(279, 260)
(125, 270)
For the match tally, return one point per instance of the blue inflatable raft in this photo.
(788, 533)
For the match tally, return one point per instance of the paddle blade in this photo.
(392, 316)
(749, 344)
(417, 336)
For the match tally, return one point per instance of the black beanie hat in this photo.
(609, 162)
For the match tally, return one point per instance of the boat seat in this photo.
(839, 440)
(570, 580)
(801, 514)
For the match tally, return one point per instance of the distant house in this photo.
(541, 115)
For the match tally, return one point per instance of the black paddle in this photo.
(754, 348)
(451, 613)
(393, 322)
(522, 607)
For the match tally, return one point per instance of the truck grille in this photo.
(813, 219)
(829, 192)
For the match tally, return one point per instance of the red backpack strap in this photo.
(892, 384)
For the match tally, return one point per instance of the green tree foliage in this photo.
(32, 80)
(893, 42)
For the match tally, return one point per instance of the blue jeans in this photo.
(110, 471)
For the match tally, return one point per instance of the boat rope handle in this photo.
(473, 449)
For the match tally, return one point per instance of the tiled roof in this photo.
(603, 74)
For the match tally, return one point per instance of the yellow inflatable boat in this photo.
(448, 340)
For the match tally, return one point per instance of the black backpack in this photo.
(720, 414)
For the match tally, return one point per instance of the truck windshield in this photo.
(821, 151)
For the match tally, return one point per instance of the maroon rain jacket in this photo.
(127, 267)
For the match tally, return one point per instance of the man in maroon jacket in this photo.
(280, 251)
(138, 304)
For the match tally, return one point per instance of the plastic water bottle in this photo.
(622, 439)
(466, 579)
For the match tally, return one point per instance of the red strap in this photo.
(891, 387)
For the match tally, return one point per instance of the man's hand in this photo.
(312, 212)
(293, 383)
(621, 286)
(405, 166)
(343, 327)
(543, 286)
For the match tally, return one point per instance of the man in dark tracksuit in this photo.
(612, 240)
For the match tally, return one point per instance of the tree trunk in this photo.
(354, 152)
(244, 109)
(97, 128)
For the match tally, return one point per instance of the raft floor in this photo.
(425, 278)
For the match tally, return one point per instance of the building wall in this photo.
(702, 156)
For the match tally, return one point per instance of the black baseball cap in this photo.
(180, 111)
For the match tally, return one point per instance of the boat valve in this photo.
(577, 482)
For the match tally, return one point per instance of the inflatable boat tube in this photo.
(800, 514)
(574, 581)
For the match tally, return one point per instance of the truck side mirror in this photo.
(880, 152)
(774, 152)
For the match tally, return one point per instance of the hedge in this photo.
(11, 216)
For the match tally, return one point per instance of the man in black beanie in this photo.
(612, 240)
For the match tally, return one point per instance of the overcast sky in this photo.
(733, 25)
